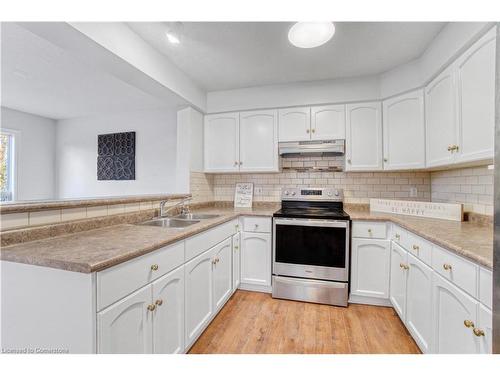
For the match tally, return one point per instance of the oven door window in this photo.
(311, 245)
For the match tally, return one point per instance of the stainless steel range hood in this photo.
(333, 147)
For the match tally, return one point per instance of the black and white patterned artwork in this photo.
(116, 156)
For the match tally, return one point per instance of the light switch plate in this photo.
(413, 192)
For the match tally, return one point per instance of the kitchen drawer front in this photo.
(202, 242)
(486, 287)
(256, 224)
(116, 282)
(369, 229)
(399, 236)
(458, 270)
(420, 248)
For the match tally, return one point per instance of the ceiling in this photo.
(41, 78)
(227, 55)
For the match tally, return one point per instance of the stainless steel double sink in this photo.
(178, 221)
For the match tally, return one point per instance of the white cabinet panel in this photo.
(198, 295)
(399, 275)
(404, 131)
(126, 327)
(363, 136)
(259, 141)
(419, 303)
(295, 124)
(476, 100)
(256, 258)
(452, 308)
(236, 261)
(484, 330)
(370, 268)
(440, 119)
(328, 122)
(222, 142)
(222, 271)
(168, 324)
(486, 287)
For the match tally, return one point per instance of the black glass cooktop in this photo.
(312, 210)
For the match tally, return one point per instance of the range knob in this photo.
(293, 193)
(329, 193)
(336, 193)
(286, 192)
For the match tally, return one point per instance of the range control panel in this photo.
(312, 194)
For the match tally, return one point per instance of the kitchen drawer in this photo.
(369, 229)
(456, 269)
(116, 282)
(419, 247)
(256, 224)
(485, 287)
(399, 236)
(201, 242)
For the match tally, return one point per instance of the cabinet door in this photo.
(222, 273)
(256, 258)
(126, 327)
(295, 124)
(404, 131)
(198, 278)
(399, 259)
(236, 261)
(328, 122)
(476, 100)
(168, 324)
(419, 303)
(259, 141)
(440, 119)
(452, 308)
(221, 140)
(485, 324)
(363, 137)
(370, 268)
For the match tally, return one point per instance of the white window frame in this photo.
(14, 158)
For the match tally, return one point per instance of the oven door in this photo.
(309, 248)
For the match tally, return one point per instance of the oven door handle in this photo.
(312, 222)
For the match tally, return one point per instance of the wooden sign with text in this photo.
(435, 210)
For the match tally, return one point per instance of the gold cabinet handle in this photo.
(398, 237)
(159, 302)
(217, 260)
(406, 267)
(447, 267)
(416, 247)
(349, 161)
(385, 160)
(455, 147)
(151, 307)
(313, 130)
(468, 323)
(450, 148)
(236, 247)
(241, 162)
(307, 131)
(369, 231)
(235, 163)
(154, 267)
(478, 332)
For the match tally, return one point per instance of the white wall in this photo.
(155, 160)
(35, 151)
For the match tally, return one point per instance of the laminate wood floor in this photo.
(255, 323)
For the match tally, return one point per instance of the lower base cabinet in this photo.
(223, 270)
(236, 261)
(256, 258)
(485, 330)
(399, 259)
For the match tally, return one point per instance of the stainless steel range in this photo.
(311, 246)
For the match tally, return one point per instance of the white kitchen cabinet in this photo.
(364, 136)
(328, 122)
(453, 310)
(484, 330)
(370, 268)
(475, 73)
(236, 261)
(168, 324)
(404, 131)
(126, 327)
(399, 276)
(199, 300)
(258, 141)
(222, 142)
(256, 258)
(222, 273)
(294, 124)
(419, 303)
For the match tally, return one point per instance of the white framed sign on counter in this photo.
(243, 195)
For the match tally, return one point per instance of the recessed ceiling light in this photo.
(172, 38)
(310, 34)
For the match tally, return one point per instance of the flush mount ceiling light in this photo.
(310, 34)
(172, 38)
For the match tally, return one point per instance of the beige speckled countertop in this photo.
(98, 249)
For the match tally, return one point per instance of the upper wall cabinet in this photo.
(295, 124)
(259, 141)
(363, 136)
(404, 131)
(475, 71)
(328, 122)
(222, 145)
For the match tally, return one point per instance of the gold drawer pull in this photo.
(151, 307)
(468, 323)
(307, 131)
(313, 130)
(404, 266)
(159, 302)
(415, 247)
(154, 267)
(398, 237)
(236, 247)
(370, 231)
(450, 148)
(447, 267)
(478, 332)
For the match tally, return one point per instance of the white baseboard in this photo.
(363, 300)
(256, 288)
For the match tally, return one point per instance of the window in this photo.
(7, 174)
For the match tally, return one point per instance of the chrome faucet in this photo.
(184, 209)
